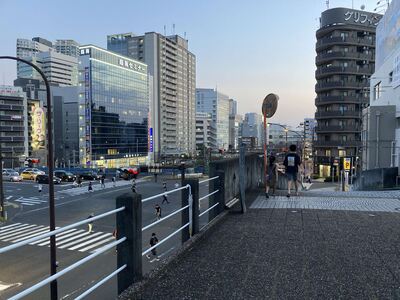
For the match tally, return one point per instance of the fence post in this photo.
(129, 225)
(221, 194)
(242, 177)
(194, 184)
(185, 233)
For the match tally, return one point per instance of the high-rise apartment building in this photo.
(206, 133)
(113, 109)
(172, 70)
(217, 104)
(60, 69)
(345, 60)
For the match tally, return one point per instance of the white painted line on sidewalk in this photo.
(97, 244)
(74, 237)
(90, 241)
(80, 240)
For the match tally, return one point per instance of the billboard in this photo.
(38, 133)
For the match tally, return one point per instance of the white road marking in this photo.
(32, 234)
(80, 240)
(9, 197)
(46, 241)
(90, 241)
(97, 244)
(72, 238)
(22, 233)
(23, 227)
(12, 225)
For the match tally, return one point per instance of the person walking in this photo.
(157, 207)
(153, 242)
(79, 181)
(292, 162)
(272, 176)
(113, 181)
(90, 187)
(103, 186)
(40, 187)
(90, 224)
(165, 197)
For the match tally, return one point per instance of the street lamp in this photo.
(50, 164)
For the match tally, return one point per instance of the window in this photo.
(342, 153)
(377, 90)
(328, 152)
(343, 138)
(390, 77)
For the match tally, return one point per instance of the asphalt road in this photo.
(29, 214)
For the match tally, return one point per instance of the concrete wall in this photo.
(254, 171)
(376, 179)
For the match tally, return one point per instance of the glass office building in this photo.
(113, 109)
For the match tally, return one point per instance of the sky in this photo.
(246, 49)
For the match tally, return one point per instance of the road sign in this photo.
(347, 163)
(270, 104)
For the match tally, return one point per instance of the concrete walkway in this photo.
(286, 253)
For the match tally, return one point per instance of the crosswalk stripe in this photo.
(9, 226)
(30, 201)
(90, 241)
(64, 236)
(47, 240)
(23, 233)
(25, 226)
(17, 232)
(80, 240)
(26, 203)
(32, 234)
(72, 238)
(97, 244)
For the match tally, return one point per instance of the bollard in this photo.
(129, 225)
(194, 184)
(220, 196)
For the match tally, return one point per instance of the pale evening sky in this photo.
(245, 48)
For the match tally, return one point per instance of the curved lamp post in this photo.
(50, 165)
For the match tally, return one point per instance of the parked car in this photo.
(29, 175)
(45, 179)
(36, 170)
(89, 175)
(11, 175)
(65, 176)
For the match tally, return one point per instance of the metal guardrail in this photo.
(73, 266)
(209, 179)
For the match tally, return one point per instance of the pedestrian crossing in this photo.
(73, 239)
(30, 201)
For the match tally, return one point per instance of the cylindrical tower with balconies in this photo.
(345, 60)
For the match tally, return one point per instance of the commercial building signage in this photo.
(130, 65)
(396, 72)
(347, 164)
(361, 17)
(38, 133)
(88, 110)
(10, 91)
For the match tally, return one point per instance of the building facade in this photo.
(253, 127)
(217, 104)
(381, 120)
(345, 60)
(13, 126)
(206, 133)
(235, 124)
(67, 47)
(66, 129)
(172, 70)
(60, 69)
(113, 109)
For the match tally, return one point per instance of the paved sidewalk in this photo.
(276, 253)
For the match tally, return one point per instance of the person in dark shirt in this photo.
(292, 162)
(158, 211)
(153, 241)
